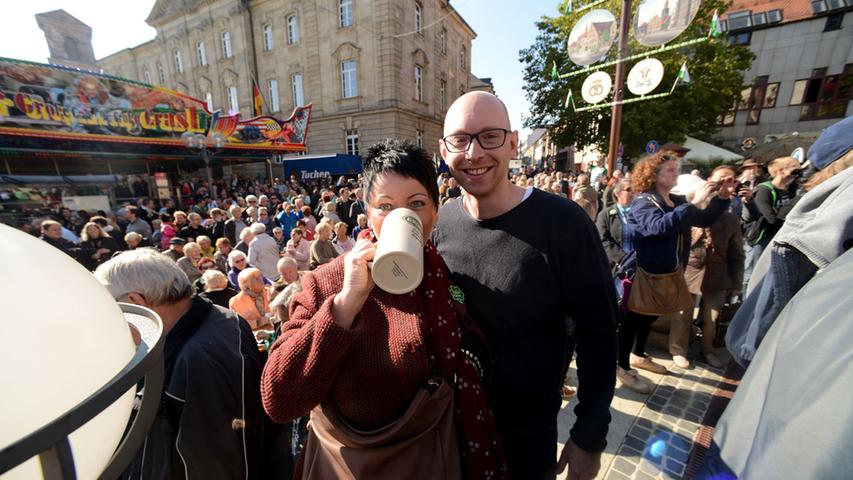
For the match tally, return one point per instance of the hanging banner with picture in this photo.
(659, 21)
(592, 37)
(51, 101)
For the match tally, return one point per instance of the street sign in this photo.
(652, 147)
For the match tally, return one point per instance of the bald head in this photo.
(476, 107)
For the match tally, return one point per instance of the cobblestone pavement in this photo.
(651, 435)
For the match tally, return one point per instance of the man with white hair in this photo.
(263, 251)
(212, 376)
(234, 225)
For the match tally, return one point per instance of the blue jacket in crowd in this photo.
(658, 229)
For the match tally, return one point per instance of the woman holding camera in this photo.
(390, 392)
(661, 223)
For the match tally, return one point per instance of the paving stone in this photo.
(643, 476)
(645, 423)
(640, 433)
(649, 468)
(624, 466)
(650, 415)
(613, 475)
(635, 443)
(674, 411)
(679, 402)
(674, 466)
(630, 454)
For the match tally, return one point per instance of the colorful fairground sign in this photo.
(51, 101)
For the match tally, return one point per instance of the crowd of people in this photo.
(285, 267)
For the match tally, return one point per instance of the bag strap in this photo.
(650, 197)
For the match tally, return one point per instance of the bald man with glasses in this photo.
(528, 261)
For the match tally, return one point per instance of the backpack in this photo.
(754, 225)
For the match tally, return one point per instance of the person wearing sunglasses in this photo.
(612, 223)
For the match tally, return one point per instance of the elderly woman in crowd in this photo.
(280, 239)
(376, 352)
(97, 245)
(238, 261)
(299, 249)
(612, 223)
(661, 222)
(204, 265)
(252, 304)
(343, 243)
(207, 250)
(189, 262)
(246, 237)
(322, 249)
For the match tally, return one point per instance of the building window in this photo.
(442, 41)
(146, 76)
(226, 45)
(296, 84)
(345, 9)
(272, 88)
(292, 30)
(419, 12)
(179, 64)
(739, 20)
(823, 96)
(352, 142)
(741, 38)
(833, 22)
(348, 79)
(232, 101)
(419, 83)
(419, 138)
(202, 57)
(267, 37)
(819, 6)
(208, 98)
(161, 74)
(442, 95)
(462, 58)
(774, 16)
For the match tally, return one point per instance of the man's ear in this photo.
(136, 299)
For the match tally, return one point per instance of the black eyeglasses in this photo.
(488, 139)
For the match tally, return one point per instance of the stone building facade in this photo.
(372, 69)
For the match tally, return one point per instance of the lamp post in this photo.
(207, 146)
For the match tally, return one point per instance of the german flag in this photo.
(257, 99)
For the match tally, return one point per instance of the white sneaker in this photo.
(681, 361)
(632, 380)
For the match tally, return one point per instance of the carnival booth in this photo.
(67, 128)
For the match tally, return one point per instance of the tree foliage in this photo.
(716, 70)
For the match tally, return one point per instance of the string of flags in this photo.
(646, 71)
(683, 77)
(716, 29)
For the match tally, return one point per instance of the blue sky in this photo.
(503, 28)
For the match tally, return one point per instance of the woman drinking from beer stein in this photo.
(390, 391)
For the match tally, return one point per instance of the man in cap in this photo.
(176, 248)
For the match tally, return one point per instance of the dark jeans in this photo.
(633, 332)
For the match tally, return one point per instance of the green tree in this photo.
(716, 70)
